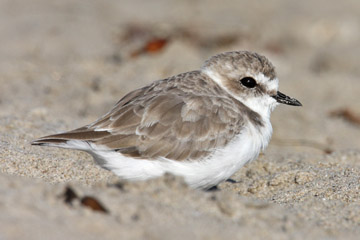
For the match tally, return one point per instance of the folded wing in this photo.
(150, 124)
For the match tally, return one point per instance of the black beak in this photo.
(282, 98)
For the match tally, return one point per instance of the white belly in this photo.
(198, 174)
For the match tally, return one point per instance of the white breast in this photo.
(224, 162)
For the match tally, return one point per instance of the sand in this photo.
(65, 63)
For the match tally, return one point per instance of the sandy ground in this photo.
(64, 63)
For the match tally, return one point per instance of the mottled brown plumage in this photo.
(183, 117)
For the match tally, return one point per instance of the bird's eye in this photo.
(248, 82)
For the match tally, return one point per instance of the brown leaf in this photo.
(69, 196)
(93, 204)
(155, 45)
(347, 115)
(152, 46)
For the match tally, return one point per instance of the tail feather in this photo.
(61, 139)
(53, 142)
(49, 141)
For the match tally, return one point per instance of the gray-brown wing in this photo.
(173, 124)
(170, 126)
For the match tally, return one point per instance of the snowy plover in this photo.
(203, 125)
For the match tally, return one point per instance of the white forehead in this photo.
(264, 80)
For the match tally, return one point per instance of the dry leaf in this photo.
(152, 46)
(69, 196)
(93, 204)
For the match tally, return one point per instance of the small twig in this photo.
(303, 143)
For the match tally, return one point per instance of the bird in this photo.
(202, 125)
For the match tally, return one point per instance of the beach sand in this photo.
(65, 63)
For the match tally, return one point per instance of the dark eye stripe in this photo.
(248, 82)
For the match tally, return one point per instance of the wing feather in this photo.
(166, 119)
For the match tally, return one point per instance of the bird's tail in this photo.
(76, 139)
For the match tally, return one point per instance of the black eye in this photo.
(248, 82)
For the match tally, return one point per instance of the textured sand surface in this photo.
(65, 63)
